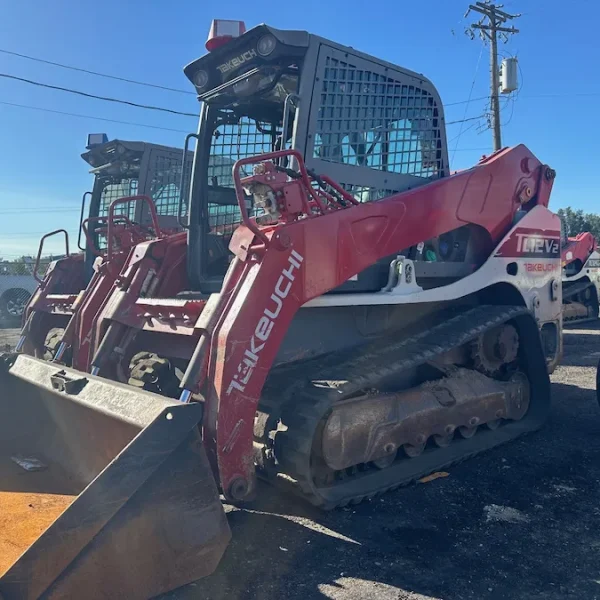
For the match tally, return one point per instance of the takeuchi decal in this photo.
(530, 243)
(265, 324)
(541, 267)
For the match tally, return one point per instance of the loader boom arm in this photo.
(293, 262)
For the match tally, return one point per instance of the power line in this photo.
(466, 101)
(465, 120)
(36, 211)
(467, 104)
(464, 131)
(89, 72)
(586, 94)
(21, 234)
(482, 148)
(69, 114)
(49, 206)
(104, 98)
(153, 85)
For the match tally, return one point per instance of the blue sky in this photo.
(41, 169)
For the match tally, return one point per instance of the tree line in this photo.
(576, 221)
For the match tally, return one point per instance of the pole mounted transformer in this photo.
(509, 80)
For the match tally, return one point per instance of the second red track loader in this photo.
(337, 339)
(56, 319)
(580, 278)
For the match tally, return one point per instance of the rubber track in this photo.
(573, 290)
(310, 405)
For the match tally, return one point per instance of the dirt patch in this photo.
(25, 510)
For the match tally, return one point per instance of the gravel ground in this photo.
(519, 522)
(8, 337)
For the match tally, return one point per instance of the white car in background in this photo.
(15, 291)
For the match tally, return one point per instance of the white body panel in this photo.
(535, 277)
(591, 270)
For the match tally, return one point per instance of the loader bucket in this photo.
(105, 490)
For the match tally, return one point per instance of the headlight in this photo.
(200, 79)
(266, 45)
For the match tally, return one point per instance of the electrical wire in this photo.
(104, 98)
(69, 114)
(39, 211)
(465, 120)
(468, 101)
(133, 81)
(21, 234)
(511, 100)
(89, 72)
(464, 131)
(482, 148)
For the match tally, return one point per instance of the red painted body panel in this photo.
(64, 292)
(580, 247)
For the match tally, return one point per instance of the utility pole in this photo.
(490, 25)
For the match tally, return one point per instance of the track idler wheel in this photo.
(494, 349)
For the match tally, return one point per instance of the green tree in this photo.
(576, 221)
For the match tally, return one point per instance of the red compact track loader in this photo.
(135, 194)
(580, 278)
(341, 317)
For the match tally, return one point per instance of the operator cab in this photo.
(373, 127)
(128, 168)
